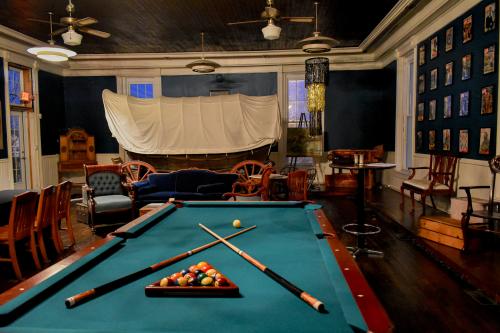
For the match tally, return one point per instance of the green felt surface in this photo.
(284, 240)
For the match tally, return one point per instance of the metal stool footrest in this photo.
(363, 229)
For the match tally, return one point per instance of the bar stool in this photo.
(361, 231)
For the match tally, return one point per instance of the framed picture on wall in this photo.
(489, 59)
(419, 142)
(487, 100)
(449, 40)
(421, 83)
(464, 104)
(463, 141)
(467, 29)
(466, 66)
(489, 17)
(434, 47)
(432, 139)
(420, 112)
(432, 109)
(434, 78)
(447, 107)
(448, 78)
(421, 55)
(484, 141)
(446, 139)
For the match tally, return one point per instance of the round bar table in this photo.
(361, 229)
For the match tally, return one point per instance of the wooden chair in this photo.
(21, 220)
(62, 212)
(137, 170)
(489, 217)
(297, 185)
(107, 193)
(45, 220)
(252, 188)
(439, 180)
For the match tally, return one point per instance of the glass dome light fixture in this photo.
(317, 43)
(71, 37)
(271, 31)
(203, 65)
(52, 52)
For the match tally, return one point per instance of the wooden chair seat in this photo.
(424, 184)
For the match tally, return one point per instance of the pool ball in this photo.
(184, 272)
(192, 268)
(198, 271)
(237, 223)
(182, 281)
(218, 276)
(165, 282)
(206, 281)
(202, 263)
(211, 272)
(221, 282)
(201, 276)
(205, 268)
(175, 276)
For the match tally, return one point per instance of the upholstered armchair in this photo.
(107, 193)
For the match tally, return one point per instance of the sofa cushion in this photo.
(163, 181)
(107, 203)
(160, 196)
(214, 188)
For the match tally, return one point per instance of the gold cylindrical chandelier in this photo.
(316, 81)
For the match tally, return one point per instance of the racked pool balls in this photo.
(201, 274)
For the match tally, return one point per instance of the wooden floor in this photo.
(419, 293)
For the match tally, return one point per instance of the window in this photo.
(298, 118)
(141, 90)
(409, 116)
(16, 86)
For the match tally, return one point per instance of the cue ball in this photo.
(237, 223)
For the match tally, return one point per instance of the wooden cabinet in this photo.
(76, 149)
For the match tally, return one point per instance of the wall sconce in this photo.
(26, 97)
(316, 79)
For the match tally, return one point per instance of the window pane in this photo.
(141, 90)
(14, 86)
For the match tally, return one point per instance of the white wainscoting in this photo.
(106, 158)
(4, 174)
(49, 170)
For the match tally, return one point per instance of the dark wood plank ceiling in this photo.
(141, 26)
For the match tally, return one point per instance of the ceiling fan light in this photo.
(71, 37)
(271, 31)
(316, 48)
(203, 66)
(52, 53)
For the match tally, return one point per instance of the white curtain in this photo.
(192, 125)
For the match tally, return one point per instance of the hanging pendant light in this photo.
(317, 43)
(316, 79)
(203, 65)
(52, 52)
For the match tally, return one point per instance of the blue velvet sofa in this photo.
(189, 184)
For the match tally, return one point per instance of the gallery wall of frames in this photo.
(457, 77)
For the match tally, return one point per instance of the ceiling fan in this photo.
(272, 15)
(72, 24)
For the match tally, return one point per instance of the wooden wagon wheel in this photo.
(137, 170)
(245, 170)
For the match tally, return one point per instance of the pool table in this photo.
(295, 239)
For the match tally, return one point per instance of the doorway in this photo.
(18, 139)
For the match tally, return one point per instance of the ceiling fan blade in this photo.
(48, 22)
(246, 22)
(59, 31)
(85, 21)
(298, 19)
(94, 32)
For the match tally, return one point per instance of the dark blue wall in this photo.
(51, 91)
(361, 109)
(84, 108)
(3, 152)
(253, 84)
(474, 121)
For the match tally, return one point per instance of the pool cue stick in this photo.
(115, 284)
(315, 303)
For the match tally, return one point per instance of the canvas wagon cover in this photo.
(192, 125)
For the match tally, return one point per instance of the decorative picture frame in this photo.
(466, 67)
(434, 47)
(446, 139)
(464, 104)
(420, 112)
(449, 40)
(467, 29)
(419, 141)
(489, 59)
(421, 83)
(487, 100)
(421, 55)
(463, 141)
(434, 78)
(448, 77)
(490, 17)
(432, 109)
(432, 139)
(484, 141)
(447, 106)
